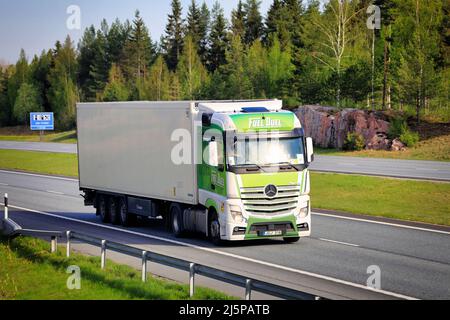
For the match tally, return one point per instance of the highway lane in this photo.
(413, 169)
(413, 262)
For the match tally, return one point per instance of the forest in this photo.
(304, 52)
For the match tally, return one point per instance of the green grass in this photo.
(30, 272)
(436, 149)
(60, 137)
(393, 198)
(42, 162)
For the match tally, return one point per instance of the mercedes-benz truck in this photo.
(233, 170)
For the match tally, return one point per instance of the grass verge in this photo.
(60, 137)
(29, 271)
(436, 149)
(421, 201)
(394, 198)
(42, 162)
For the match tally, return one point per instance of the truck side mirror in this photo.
(309, 150)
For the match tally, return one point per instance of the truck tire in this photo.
(214, 228)
(126, 219)
(103, 209)
(176, 218)
(113, 210)
(291, 239)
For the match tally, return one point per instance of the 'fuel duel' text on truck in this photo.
(233, 170)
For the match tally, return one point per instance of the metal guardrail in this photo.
(10, 228)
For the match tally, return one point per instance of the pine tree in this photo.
(205, 18)
(253, 21)
(39, 70)
(63, 93)
(256, 68)
(191, 72)
(20, 76)
(87, 53)
(28, 100)
(138, 52)
(100, 63)
(279, 70)
(117, 38)
(275, 21)
(158, 81)
(238, 82)
(116, 88)
(5, 108)
(172, 42)
(238, 21)
(193, 21)
(218, 38)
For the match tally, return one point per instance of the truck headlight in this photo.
(303, 213)
(236, 213)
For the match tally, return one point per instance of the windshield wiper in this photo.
(284, 164)
(251, 165)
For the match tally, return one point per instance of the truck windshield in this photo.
(265, 152)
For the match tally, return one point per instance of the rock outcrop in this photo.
(329, 126)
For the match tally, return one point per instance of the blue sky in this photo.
(36, 24)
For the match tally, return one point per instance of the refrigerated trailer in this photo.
(233, 170)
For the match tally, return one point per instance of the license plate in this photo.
(272, 233)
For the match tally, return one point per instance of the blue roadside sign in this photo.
(42, 121)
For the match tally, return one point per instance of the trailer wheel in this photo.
(126, 218)
(113, 210)
(214, 228)
(176, 218)
(291, 239)
(103, 209)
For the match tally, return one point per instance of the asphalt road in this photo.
(413, 262)
(412, 169)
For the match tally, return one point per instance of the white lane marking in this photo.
(38, 175)
(3, 184)
(380, 222)
(55, 192)
(340, 242)
(268, 264)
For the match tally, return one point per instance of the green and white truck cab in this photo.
(255, 171)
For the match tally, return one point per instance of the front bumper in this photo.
(256, 226)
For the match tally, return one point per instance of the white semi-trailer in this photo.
(234, 170)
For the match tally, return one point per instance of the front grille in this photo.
(257, 203)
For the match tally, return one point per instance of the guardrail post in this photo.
(54, 244)
(191, 279)
(103, 255)
(68, 244)
(6, 207)
(248, 289)
(144, 266)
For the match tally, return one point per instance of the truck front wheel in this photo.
(103, 209)
(214, 228)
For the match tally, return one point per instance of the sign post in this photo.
(42, 121)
